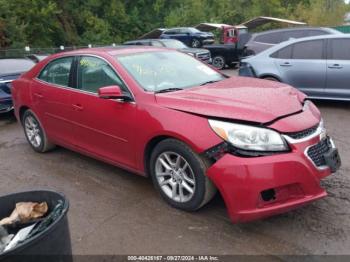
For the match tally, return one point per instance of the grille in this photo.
(6, 87)
(303, 134)
(317, 151)
(204, 56)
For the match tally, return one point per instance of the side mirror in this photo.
(113, 92)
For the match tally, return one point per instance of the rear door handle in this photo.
(286, 64)
(38, 95)
(78, 107)
(335, 66)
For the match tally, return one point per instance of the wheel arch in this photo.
(155, 140)
(21, 112)
(263, 76)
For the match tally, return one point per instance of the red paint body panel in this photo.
(241, 182)
(118, 133)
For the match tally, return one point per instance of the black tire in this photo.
(271, 78)
(196, 43)
(219, 62)
(44, 145)
(204, 188)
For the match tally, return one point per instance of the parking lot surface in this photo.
(113, 211)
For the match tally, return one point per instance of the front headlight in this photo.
(249, 137)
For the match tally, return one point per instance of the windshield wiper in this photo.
(209, 82)
(165, 90)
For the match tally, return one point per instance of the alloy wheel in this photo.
(175, 177)
(32, 130)
(218, 62)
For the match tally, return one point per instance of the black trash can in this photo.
(52, 244)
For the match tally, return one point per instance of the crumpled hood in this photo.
(237, 98)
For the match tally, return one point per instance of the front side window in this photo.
(339, 49)
(162, 70)
(308, 50)
(58, 71)
(94, 73)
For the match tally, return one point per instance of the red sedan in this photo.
(193, 130)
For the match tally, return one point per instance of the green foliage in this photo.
(44, 23)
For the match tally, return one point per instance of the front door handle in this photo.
(78, 107)
(335, 66)
(286, 64)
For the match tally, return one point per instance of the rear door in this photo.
(338, 69)
(303, 65)
(51, 92)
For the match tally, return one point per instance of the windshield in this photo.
(174, 44)
(156, 71)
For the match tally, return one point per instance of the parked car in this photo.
(202, 54)
(318, 66)
(264, 40)
(10, 69)
(228, 54)
(190, 128)
(190, 36)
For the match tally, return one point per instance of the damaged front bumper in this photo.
(255, 187)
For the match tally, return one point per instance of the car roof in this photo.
(326, 29)
(15, 65)
(113, 51)
(292, 41)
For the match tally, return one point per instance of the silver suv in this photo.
(264, 40)
(319, 66)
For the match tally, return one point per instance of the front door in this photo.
(104, 127)
(338, 69)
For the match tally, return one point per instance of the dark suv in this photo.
(264, 40)
(189, 36)
(199, 53)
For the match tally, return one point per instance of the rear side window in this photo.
(339, 49)
(308, 50)
(284, 53)
(269, 38)
(94, 73)
(58, 71)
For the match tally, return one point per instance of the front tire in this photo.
(178, 174)
(34, 133)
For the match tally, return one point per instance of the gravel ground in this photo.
(116, 212)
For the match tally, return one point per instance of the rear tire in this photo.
(219, 62)
(178, 174)
(34, 133)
